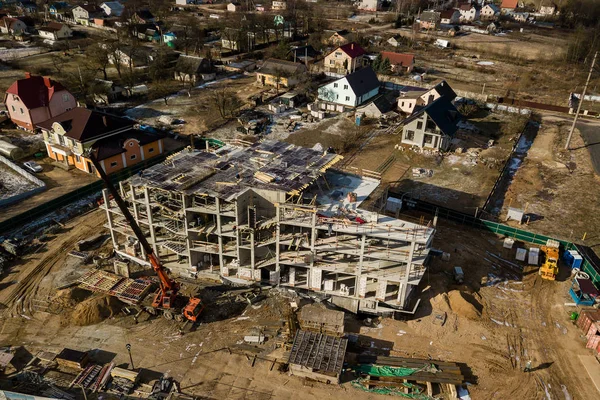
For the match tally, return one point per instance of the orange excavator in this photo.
(168, 301)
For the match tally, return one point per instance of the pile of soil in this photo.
(464, 304)
(72, 297)
(95, 310)
(440, 303)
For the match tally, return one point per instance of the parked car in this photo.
(33, 166)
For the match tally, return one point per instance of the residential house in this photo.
(345, 59)
(489, 12)
(12, 26)
(141, 17)
(509, 5)
(304, 54)
(85, 14)
(548, 8)
(519, 16)
(112, 8)
(237, 39)
(278, 5)
(430, 20)
(278, 73)
(399, 63)
(113, 141)
(409, 101)
(468, 13)
(350, 91)
(380, 106)
(193, 69)
(138, 57)
(432, 126)
(36, 99)
(234, 7)
(184, 2)
(370, 5)
(448, 17)
(26, 7)
(169, 39)
(58, 9)
(395, 41)
(107, 91)
(55, 31)
(337, 38)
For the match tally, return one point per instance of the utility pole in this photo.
(580, 102)
(128, 346)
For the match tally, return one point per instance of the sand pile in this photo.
(95, 310)
(464, 305)
(440, 303)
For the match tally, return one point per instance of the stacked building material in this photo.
(319, 319)
(128, 290)
(317, 356)
(72, 358)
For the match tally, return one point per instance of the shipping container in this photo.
(586, 317)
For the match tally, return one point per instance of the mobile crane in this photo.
(167, 301)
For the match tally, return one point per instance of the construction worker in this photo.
(527, 366)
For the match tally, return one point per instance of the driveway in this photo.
(590, 132)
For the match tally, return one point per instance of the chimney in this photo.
(104, 121)
(27, 75)
(352, 46)
(47, 81)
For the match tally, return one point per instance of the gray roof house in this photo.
(432, 126)
(351, 90)
(193, 69)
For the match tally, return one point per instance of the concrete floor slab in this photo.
(592, 366)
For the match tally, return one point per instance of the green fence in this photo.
(498, 228)
(77, 194)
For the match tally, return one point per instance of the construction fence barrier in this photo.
(590, 264)
(77, 194)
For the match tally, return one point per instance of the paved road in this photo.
(590, 131)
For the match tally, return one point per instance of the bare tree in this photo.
(98, 55)
(226, 102)
(163, 89)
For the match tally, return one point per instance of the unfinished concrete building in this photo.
(276, 213)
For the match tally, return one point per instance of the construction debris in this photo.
(317, 318)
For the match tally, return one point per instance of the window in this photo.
(66, 97)
(409, 135)
(420, 125)
(345, 87)
(338, 53)
(13, 107)
(347, 98)
(61, 140)
(428, 139)
(133, 156)
(337, 96)
(151, 150)
(331, 62)
(402, 104)
(335, 85)
(22, 112)
(77, 158)
(113, 164)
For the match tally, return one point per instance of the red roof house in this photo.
(509, 4)
(345, 59)
(36, 99)
(399, 62)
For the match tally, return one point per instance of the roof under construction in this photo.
(231, 170)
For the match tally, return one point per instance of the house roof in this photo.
(413, 94)
(442, 112)
(398, 58)
(445, 90)
(430, 16)
(286, 68)
(113, 145)
(384, 102)
(144, 14)
(91, 8)
(509, 3)
(362, 81)
(35, 91)
(8, 22)
(493, 7)
(51, 27)
(352, 49)
(82, 124)
(59, 5)
(447, 14)
(115, 7)
(302, 51)
(191, 65)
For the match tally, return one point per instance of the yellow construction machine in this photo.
(549, 268)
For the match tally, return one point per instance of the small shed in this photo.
(317, 356)
(72, 358)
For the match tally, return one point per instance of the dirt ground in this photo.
(557, 187)
(495, 322)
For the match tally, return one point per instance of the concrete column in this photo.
(237, 235)
(109, 218)
(360, 263)
(277, 237)
(150, 222)
(404, 281)
(136, 214)
(313, 239)
(219, 237)
(188, 242)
